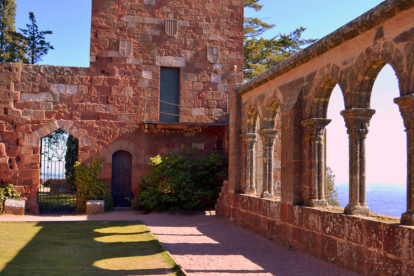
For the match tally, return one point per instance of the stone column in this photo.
(406, 105)
(250, 141)
(316, 131)
(357, 122)
(268, 137)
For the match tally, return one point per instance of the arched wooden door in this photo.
(121, 178)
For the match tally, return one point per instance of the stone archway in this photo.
(29, 153)
(122, 145)
(33, 139)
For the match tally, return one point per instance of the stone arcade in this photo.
(288, 104)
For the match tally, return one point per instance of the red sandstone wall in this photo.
(103, 106)
(204, 85)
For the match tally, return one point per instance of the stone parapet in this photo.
(364, 245)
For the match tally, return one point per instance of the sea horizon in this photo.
(385, 199)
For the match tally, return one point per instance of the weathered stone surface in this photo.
(198, 112)
(150, 2)
(147, 74)
(14, 207)
(94, 207)
(59, 88)
(216, 78)
(71, 89)
(170, 61)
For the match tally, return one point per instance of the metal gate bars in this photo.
(59, 152)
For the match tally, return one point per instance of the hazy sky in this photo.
(386, 153)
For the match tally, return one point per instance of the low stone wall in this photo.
(360, 244)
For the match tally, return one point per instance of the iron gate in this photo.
(59, 152)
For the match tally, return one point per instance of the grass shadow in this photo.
(82, 248)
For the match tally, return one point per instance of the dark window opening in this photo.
(169, 94)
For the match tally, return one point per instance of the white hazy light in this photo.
(386, 141)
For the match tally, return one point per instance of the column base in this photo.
(407, 218)
(318, 203)
(266, 195)
(250, 191)
(357, 210)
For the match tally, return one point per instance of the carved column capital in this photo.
(268, 134)
(357, 121)
(316, 127)
(249, 137)
(406, 104)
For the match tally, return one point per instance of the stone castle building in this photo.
(167, 73)
(159, 78)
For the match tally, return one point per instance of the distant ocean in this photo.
(382, 199)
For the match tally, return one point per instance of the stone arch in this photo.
(34, 139)
(269, 118)
(322, 94)
(368, 73)
(253, 117)
(137, 154)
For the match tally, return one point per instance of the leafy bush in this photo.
(182, 182)
(8, 191)
(89, 187)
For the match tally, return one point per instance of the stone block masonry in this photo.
(115, 103)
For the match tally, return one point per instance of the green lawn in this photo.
(81, 248)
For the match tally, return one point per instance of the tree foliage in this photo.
(261, 54)
(182, 182)
(12, 44)
(330, 190)
(37, 45)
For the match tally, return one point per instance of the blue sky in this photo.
(70, 23)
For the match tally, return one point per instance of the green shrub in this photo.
(89, 187)
(182, 182)
(8, 191)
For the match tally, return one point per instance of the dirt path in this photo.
(204, 244)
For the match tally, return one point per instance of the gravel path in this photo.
(204, 244)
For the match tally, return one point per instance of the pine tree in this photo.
(261, 54)
(12, 44)
(330, 190)
(37, 45)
